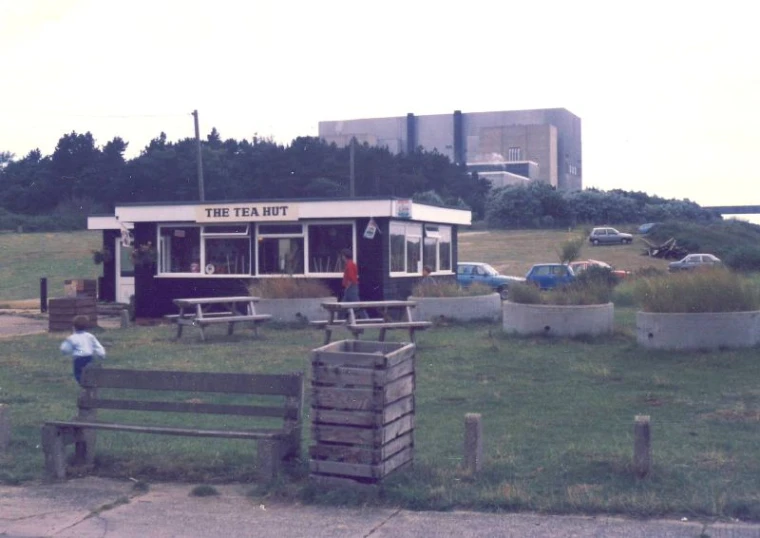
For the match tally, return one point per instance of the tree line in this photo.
(58, 191)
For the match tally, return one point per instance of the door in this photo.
(125, 272)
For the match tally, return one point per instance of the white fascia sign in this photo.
(274, 211)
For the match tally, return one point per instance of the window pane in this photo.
(325, 243)
(125, 261)
(237, 229)
(280, 229)
(413, 245)
(444, 249)
(227, 256)
(281, 256)
(181, 247)
(397, 251)
(430, 253)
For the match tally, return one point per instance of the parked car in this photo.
(470, 272)
(550, 275)
(604, 236)
(580, 266)
(694, 261)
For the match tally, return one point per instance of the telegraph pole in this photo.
(201, 190)
(352, 189)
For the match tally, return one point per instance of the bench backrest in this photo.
(288, 386)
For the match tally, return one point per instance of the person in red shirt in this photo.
(350, 277)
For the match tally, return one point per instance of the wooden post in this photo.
(5, 427)
(642, 454)
(124, 319)
(473, 442)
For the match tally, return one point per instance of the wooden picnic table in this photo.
(395, 314)
(203, 311)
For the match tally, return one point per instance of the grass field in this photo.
(557, 414)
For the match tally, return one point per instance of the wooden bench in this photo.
(200, 313)
(282, 395)
(396, 314)
(328, 325)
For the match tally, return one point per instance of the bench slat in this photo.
(162, 430)
(342, 322)
(393, 325)
(232, 319)
(283, 411)
(265, 384)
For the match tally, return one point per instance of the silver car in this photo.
(604, 236)
(694, 261)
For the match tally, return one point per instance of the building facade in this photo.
(506, 147)
(166, 251)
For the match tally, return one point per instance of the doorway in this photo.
(125, 272)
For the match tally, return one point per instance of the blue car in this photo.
(548, 276)
(470, 272)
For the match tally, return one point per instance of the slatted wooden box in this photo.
(362, 410)
(61, 312)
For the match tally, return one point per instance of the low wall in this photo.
(708, 330)
(558, 320)
(294, 310)
(459, 308)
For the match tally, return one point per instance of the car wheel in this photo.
(504, 292)
(595, 242)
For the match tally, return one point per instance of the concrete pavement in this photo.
(99, 508)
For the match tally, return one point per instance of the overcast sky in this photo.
(668, 91)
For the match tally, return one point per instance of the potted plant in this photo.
(144, 254)
(436, 300)
(104, 255)
(291, 299)
(705, 309)
(582, 307)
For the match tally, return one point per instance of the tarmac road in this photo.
(99, 508)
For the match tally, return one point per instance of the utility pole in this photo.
(351, 188)
(201, 190)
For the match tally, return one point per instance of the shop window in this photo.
(437, 247)
(405, 247)
(325, 244)
(226, 250)
(179, 249)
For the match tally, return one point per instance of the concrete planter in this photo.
(459, 308)
(707, 330)
(294, 310)
(558, 320)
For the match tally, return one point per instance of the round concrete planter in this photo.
(558, 320)
(459, 308)
(707, 330)
(294, 310)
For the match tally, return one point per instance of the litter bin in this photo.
(362, 410)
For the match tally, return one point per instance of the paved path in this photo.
(100, 508)
(20, 323)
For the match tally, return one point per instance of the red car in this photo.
(580, 266)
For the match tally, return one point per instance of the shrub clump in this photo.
(581, 292)
(289, 288)
(450, 289)
(713, 290)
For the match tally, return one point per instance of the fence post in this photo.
(642, 450)
(43, 294)
(473, 442)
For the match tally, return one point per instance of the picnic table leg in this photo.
(328, 336)
(382, 334)
(179, 329)
(230, 328)
(203, 334)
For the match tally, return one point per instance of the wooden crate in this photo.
(61, 312)
(362, 410)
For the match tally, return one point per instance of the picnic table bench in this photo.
(279, 396)
(204, 311)
(394, 315)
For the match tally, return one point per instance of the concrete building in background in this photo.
(508, 147)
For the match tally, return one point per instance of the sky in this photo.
(668, 91)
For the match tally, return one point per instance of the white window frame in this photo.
(418, 234)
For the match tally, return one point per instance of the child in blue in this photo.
(81, 346)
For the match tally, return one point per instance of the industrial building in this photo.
(507, 147)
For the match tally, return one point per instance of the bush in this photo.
(743, 258)
(289, 288)
(623, 294)
(450, 289)
(570, 250)
(713, 290)
(581, 292)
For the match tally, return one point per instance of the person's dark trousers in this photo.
(351, 295)
(79, 365)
